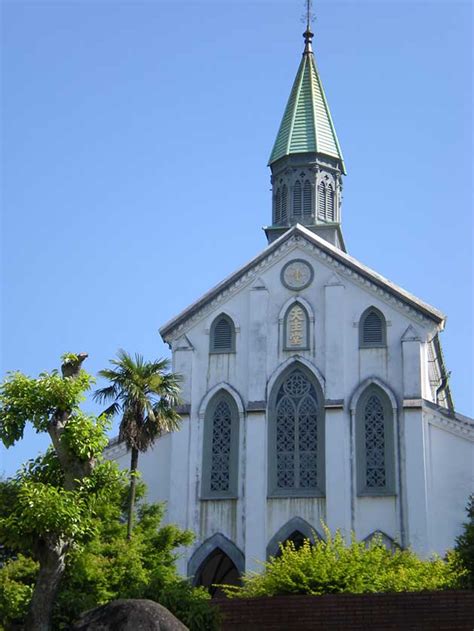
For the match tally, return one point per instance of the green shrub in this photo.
(465, 546)
(332, 566)
(17, 579)
(191, 605)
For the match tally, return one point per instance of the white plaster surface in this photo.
(434, 460)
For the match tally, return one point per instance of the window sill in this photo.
(220, 497)
(375, 493)
(282, 495)
(222, 352)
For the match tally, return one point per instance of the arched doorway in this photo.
(217, 569)
(215, 562)
(295, 530)
(297, 538)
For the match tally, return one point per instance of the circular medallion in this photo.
(297, 274)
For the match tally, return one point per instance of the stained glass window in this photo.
(296, 433)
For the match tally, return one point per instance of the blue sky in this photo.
(135, 143)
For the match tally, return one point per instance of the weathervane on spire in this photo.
(308, 17)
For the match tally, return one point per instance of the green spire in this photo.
(307, 125)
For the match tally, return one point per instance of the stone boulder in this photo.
(129, 615)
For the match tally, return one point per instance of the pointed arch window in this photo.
(220, 449)
(297, 205)
(284, 204)
(322, 200)
(307, 200)
(372, 329)
(296, 327)
(330, 203)
(222, 335)
(375, 443)
(296, 437)
(278, 206)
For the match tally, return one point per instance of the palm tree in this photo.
(146, 395)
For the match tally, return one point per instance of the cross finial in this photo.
(309, 14)
(308, 18)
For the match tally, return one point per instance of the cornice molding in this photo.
(461, 426)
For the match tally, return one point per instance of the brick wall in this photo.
(452, 610)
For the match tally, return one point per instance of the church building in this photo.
(314, 389)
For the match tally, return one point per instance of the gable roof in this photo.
(341, 259)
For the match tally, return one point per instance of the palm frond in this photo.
(103, 395)
(112, 410)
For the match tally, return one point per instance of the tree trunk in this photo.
(51, 556)
(133, 488)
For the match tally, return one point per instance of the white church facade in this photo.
(314, 389)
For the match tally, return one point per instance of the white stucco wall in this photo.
(434, 468)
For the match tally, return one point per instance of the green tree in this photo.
(109, 566)
(146, 395)
(465, 545)
(48, 508)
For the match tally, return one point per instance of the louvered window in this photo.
(374, 443)
(278, 206)
(220, 457)
(321, 200)
(296, 437)
(222, 335)
(307, 200)
(284, 204)
(372, 329)
(330, 203)
(297, 207)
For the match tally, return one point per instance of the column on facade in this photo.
(415, 478)
(256, 435)
(177, 508)
(338, 501)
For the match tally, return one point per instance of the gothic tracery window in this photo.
(220, 447)
(374, 436)
(374, 443)
(296, 437)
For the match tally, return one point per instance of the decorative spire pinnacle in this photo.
(308, 34)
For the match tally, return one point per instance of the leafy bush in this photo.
(465, 546)
(332, 566)
(191, 605)
(17, 579)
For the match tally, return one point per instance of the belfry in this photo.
(306, 161)
(315, 390)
